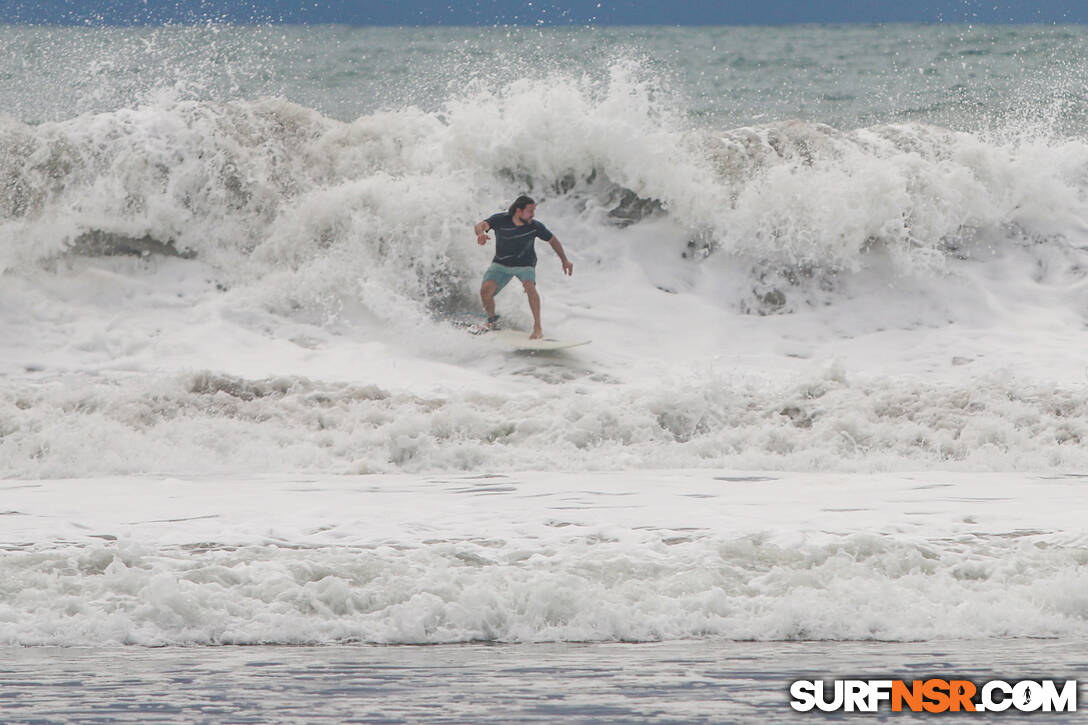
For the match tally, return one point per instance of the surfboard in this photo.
(518, 340)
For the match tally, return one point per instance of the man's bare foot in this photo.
(537, 334)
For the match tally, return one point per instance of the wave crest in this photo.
(272, 192)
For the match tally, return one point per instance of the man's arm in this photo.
(568, 266)
(481, 232)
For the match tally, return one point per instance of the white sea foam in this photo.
(941, 273)
(208, 423)
(235, 287)
(550, 557)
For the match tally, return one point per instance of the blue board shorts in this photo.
(500, 274)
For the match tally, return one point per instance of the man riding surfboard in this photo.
(516, 233)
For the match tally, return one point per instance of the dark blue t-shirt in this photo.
(514, 245)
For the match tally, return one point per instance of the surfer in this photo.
(516, 233)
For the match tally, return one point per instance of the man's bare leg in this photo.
(487, 296)
(534, 305)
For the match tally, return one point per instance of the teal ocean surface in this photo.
(957, 76)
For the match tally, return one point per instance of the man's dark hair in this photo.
(520, 203)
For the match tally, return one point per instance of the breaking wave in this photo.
(309, 208)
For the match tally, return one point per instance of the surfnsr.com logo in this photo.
(934, 695)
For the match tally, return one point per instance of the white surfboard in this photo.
(519, 340)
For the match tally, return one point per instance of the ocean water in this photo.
(699, 681)
(832, 418)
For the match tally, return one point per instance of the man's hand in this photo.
(481, 232)
(568, 266)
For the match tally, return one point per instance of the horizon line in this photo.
(219, 22)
